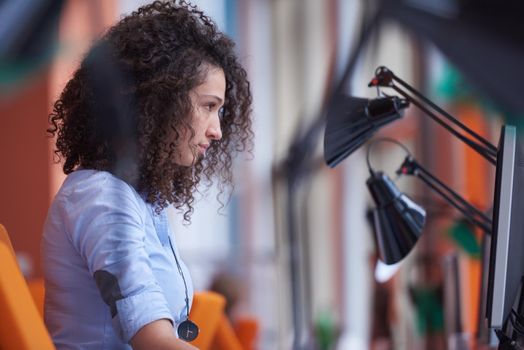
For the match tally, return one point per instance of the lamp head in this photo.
(397, 220)
(383, 77)
(351, 121)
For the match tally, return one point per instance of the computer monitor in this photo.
(506, 267)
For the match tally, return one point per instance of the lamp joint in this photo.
(383, 77)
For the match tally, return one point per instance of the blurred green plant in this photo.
(462, 234)
(325, 331)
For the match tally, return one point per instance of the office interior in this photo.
(294, 249)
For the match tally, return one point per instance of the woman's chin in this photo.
(192, 162)
(199, 158)
(189, 160)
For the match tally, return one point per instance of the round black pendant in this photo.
(187, 330)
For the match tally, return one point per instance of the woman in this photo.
(159, 104)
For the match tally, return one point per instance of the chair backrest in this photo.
(36, 286)
(247, 329)
(4, 237)
(206, 312)
(21, 326)
(216, 331)
(225, 337)
(37, 290)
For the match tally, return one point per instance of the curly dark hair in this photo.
(130, 95)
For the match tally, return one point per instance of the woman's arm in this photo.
(158, 335)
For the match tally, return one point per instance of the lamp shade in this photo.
(398, 221)
(384, 272)
(351, 121)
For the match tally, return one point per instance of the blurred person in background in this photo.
(159, 105)
(231, 287)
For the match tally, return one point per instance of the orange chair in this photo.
(37, 290)
(4, 237)
(225, 337)
(206, 311)
(21, 326)
(247, 330)
(36, 286)
(216, 332)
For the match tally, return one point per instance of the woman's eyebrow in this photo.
(219, 99)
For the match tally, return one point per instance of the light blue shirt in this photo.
(108, 265)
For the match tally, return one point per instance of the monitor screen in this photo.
(506, 266)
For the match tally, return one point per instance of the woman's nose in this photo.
(214, 131)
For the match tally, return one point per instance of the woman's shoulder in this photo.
(91, 197)
(97, 180)
(96, 186)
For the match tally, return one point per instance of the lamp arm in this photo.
(482, 221)
(411, 167)
(489, 146)
(386, 78)
(483, 151)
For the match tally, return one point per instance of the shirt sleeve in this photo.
(109, 233)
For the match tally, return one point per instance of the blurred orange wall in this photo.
(28, 178)
(24, 177)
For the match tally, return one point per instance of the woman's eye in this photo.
(210, 107)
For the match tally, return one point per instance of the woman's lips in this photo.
(203, 148)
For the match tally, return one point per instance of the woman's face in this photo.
(207, 100)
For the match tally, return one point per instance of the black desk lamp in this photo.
(397, 220)
(353, 121)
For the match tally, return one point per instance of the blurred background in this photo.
(293, 249)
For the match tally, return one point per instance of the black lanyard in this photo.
(187, 330)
